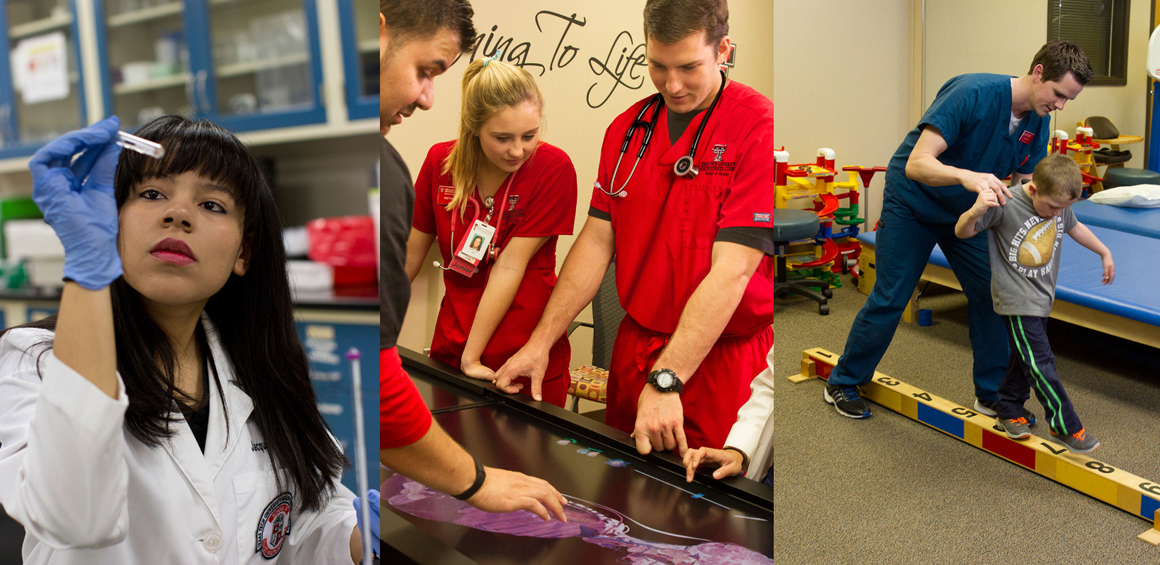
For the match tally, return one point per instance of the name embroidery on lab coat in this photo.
(274, 526)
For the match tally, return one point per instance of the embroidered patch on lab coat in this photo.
(274, 526)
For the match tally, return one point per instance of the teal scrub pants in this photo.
(902, 249)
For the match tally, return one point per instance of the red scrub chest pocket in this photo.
(699, 206)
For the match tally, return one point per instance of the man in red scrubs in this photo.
(690, 250)
(418, 40)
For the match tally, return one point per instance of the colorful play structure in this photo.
(834, 249)
(1080, 149)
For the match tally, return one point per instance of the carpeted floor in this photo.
(891, 490)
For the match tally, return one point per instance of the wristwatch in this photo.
(665, 380)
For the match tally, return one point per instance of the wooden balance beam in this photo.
(1096, 479)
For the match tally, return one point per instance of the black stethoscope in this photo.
(683, 167)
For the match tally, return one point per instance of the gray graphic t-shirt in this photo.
(1025, 251)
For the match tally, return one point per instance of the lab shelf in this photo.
(146, 14)
(155, 84)
(39, 26)
(250, 67)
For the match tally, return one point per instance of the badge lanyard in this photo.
(466, 258)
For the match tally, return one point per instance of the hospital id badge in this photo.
(475, 245)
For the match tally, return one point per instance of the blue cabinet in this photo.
(245, 64)
(326, 346)
(337, 407)
(30, 116)
(360, 46)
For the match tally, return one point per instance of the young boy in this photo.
(1025, 244)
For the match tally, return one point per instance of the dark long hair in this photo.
(252, 314)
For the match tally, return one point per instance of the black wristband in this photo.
(744, 458)
(474, 488)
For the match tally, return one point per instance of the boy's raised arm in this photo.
(966, 225)
(1083, 236)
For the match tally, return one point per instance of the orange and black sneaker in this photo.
(1079, 442)
(1017, 428)
(991, 408)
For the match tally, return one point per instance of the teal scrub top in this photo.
(973, 113)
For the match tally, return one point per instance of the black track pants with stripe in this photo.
(1032, 365)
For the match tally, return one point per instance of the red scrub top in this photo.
(665, 225)
(541, 203)
(403, 417)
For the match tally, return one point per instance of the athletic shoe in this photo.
(847, 400)
(1016, 429)
(992, 409)
(1079, 442)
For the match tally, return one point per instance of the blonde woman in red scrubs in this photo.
(496, 199)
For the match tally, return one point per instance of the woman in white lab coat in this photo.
(166, 416)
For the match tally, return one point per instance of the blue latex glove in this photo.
(373, 496)
(76, 198)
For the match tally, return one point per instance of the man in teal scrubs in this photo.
(979, 129)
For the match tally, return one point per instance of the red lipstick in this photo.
(174, 252)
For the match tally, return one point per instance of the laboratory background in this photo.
(297, 80)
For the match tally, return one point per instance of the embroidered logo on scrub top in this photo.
(512, 202)
(274, 526)
(717, 167)
(445, 195)
(1026, 137)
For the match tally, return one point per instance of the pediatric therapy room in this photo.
(296, 82)
(588, 60)
(889, 455)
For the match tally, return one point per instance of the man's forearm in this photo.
(928, 170)
(435, 461)
(578, 283)
(708, 311)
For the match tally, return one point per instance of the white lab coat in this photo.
(753, 432)
(89, 493)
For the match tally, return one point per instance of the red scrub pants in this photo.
(710, 399)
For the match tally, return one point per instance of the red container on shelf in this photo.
(348, 245)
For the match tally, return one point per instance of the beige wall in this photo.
(848, 77)
(842, 73)
(1002, 36)
(570, 92)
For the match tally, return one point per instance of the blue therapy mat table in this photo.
(1138, 221)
